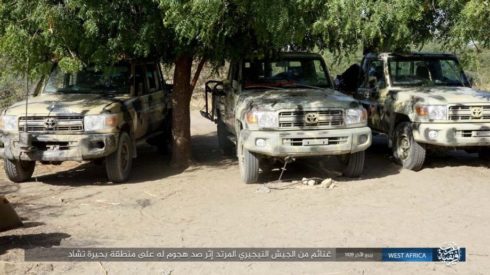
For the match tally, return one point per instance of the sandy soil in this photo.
(208, 206)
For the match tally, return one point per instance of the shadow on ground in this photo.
(378, 164)
(455, 158)
(29, 241)
(150, 165)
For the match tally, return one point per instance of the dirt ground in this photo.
(208, 206)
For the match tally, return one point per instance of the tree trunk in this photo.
(181, 121)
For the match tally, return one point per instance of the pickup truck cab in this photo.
(91, 115)
(423, 101)
(285, 107)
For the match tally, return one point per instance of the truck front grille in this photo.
(311, 119)
(478, 133)
(467, 113)
(44, 124)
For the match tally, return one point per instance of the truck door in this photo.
(232, 90)
(140, 104)
(156, 97)
(372, 91)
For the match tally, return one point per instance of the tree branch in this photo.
(197, 74)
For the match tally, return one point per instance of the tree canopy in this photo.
(75, 33)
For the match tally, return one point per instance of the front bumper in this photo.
(452, 135)
(60, 147)
(307, 143)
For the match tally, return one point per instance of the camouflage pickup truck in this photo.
(422, 102)
(285, 107)
(91, 115)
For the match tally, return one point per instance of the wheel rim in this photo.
(403, 147)
(124, 156)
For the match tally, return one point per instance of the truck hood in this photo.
(63, 104)
(446, 95)
(297, 99)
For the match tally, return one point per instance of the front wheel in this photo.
(353, 164)
(248, 163)
(118, 165)
(408, 152)
(19, 170)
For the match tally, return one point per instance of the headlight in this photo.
(100, 122)
(8, 123)
(355, 116)
(263, 119)
(432, 112)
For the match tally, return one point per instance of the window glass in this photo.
(152, 75)
(113, 80)
(289, 72)
(426, 71)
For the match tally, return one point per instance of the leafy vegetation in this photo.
(75, 33)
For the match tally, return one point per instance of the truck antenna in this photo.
(27, 93)
(25, 140)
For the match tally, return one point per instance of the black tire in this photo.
(226, 146)
(353, 164)
(249, 164)
(118, 165)
(408, 152)
(19, 170)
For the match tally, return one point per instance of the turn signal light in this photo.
(422, 110)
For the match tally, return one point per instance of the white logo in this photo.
(477, 112)
(311, 118)
(50, 123)
(450, 254)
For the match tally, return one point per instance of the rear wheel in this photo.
(249, 164)
(408, 152)
(224, 142)
(118, 165)
(19, 170)
(353, 164)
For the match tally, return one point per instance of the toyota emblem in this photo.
(311, 118)
(477, 112)
(50, 123)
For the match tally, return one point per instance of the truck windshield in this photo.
(426, 71)
(114, 80)
(298, 72)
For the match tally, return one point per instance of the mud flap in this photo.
(8, 217)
